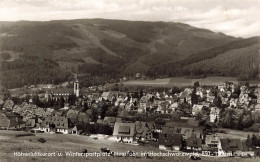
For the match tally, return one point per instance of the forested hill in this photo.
(238, 58)
(48, 52)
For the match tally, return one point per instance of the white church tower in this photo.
(76, 86)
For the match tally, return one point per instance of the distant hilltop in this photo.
(103, 50)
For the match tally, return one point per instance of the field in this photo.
(76, 143)
(180, 81)
(156, 82)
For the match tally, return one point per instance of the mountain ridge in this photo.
(109, 49)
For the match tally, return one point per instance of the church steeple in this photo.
(76, 85)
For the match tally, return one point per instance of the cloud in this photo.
(239, 18)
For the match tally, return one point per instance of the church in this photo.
(58, 92)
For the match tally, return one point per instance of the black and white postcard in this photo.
(130, 80)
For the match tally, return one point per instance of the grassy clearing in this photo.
(180, 81)
(155, 82)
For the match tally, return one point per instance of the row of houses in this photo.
(179, 138)
(132, 132)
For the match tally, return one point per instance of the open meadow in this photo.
(179, 81)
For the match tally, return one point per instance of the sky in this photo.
(239, 18)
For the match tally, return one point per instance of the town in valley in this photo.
(210, 120)
(138, 80)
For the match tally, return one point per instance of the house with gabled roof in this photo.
(57, 93)
(173, 107)
(8, 121)
(168, 141)
(143, 104)
(74, 130)
(8, 105)
(55, 124)
(144, 130)
(196, 109)
(168, 129)
(31, 123)
(124, 132)
(129, 106)
(187, 132)
(231, 147)
(194, 144)
(39, 112)
(212, 142)
(107, 96)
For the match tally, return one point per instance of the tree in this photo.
(217, 101)
(16, 100)
(36, 99)
(141, 93)
(196, 84)
(62, 101)
(72, 99)
(194, 97)
(227, 118)
(89, 113)
(254, 140)
(160, 122)
(236, 92)
(249, 141)
(247, 121)
(104, 110)
(85, 107)
(6, 93)
(115, 87)
(199, 116)
(95, 114)
(247, 84)
(208, 128)
(239, 123)
(112, 111)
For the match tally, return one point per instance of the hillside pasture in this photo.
(60, 143)
(180, 81)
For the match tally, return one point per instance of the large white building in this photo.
(124, 132)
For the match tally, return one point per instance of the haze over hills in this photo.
(48, 52)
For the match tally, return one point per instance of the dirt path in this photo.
(152, 44)
(86, 33)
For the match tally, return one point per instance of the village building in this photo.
(55, 124)
(143, 104)
(212, 142)
(234, 147)
(144, 130)
(196, 109)
(74, 130)
(173, 107)
(31, 123)
(168, 141)
(194, 144)
(60, 92)
(8, 105)
(9, 121)
(124, 132)
(107, 96)
(214, 114)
